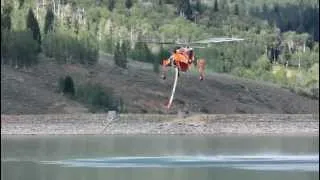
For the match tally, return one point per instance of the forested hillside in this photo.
(281, 37)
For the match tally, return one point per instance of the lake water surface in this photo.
(159, 157)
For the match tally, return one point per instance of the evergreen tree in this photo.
(198, 7)
(128, 4)
(126, 47)
(21, 2)
(111, 5)
(188, 11)
(33, 25)
(124, 53)
(116, 54)
(5, 31)
(6, 17)
(68, 87)
(22, 48)
(236, 9)
(184, 8)
(120, 56)
(48, 24)
(163, 54)
(215, 6)
(76, 26)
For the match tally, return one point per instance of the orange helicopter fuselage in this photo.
(183, 58)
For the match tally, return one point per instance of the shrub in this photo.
(249, 74)
(262, 63)
(97, 97)
(280, 76)
(120, 55)
(238, 71)
(68, 86)
(204, 110)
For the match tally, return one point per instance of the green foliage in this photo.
(279, 29)
(215, 6)
(141, 52)
(111, 4)
(300, 16)
(89, 53)
(70, 49)
(157, 60)
(280, 76)
(21, 3)
(48, 26)
(125, 47)
(129, 4)
(243, 72)
(248, 73)
(97, 97)
(120, 55)
(236, 9)
(199, 7)
(306, 59)
(33, 25)
(107, 45)
(262, 64)
(18, 48)
(68, 86)
(184, 8)
(163, 53)
(5, 39)
(6, 16)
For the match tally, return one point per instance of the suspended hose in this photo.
(174, 87)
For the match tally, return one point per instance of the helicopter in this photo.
(183, 56)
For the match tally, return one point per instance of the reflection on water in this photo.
(262, 162)
(159, 157)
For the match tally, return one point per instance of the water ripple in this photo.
(261, 162)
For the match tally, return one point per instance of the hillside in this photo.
(35, 91)
(77, 35)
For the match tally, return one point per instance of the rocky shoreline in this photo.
(153, 124)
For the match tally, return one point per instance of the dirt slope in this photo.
(33, 92)
(143, 91)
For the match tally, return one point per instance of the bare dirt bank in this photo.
(218, 124)
(34, 91)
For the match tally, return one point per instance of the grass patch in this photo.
(98, 98)
(95, 96)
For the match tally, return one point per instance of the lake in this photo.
(159, 157)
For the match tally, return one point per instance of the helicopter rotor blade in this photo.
(164, 42)
(199, 47)
(206, 41)
(157, 42)
(216, 40)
